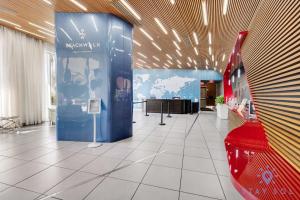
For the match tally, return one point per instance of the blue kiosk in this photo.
(94, 54)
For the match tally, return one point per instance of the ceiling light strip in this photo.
(195, 38)
(196, 51)
(142, 55)
(41, 27)
(130, 9)
(178, 52)
(154, 44)
(48, 2)
(161, 26)
(46, 33)
(156, 58)
(204, 12)
(9, 22)
(209, 38)
(225, 6)
(176, 35)
(146, 34)
(137, 43)
(31, 33)
(176, 45)
(79, 5)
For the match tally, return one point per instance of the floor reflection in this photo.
(258, 172)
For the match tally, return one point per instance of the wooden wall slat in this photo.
(271, 56)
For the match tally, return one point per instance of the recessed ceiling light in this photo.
(178, 52)
(48, 2)
(167, 65)
(213, 58)
(136, 42)
(196, 68)
(178, 62)
(169, 61)
(196, 51)
(216, 63)
(188, 64)
(156, 58)
(154, 44)
(82, 7)
(209, 38)
(25, 31)
(9, 22)
(176, 35)
(179, 66)
(195, 38)
(161, 26)
(176, 45)
(46, 33)
(206, 67)
(204, 11)
(169, 56)
(206, 62)
(41, 27)
(130, 8)
(220, 70)
(172, 2)
(209, 50)
(189, 58)
(195, 62)
(49, 23)
(146, 34)
(141, 54)
(225, 6)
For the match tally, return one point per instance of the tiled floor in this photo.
(33, 164)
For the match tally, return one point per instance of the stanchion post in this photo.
(161, 115)
(169, 109)
(146, 109)
(191, 107)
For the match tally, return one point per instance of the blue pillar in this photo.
(93, 61)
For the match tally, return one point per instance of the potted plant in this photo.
(222, 108)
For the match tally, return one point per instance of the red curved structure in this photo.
(257, 170)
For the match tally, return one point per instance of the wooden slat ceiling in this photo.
(185, 16)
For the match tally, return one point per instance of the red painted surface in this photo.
(257, 171)
(234, 59)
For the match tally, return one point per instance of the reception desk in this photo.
(177, 106)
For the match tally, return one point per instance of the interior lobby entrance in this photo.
(149, 100)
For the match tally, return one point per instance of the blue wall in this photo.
(162, 83)
(93, 61)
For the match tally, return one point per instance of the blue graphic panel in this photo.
(166, 84)
(86, 47)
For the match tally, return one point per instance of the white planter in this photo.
(222, 111)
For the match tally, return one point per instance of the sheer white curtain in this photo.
(23, 79)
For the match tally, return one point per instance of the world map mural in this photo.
(165, 84)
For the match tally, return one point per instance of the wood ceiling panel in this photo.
(185, 16)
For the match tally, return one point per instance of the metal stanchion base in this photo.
(133, 122)
(147, 115)
(169, 116)
(94, 145)
(162, 124)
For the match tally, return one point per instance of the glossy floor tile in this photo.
(158, 162)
